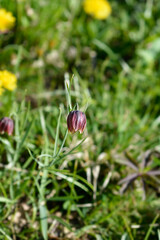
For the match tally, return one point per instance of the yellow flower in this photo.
(99, 9)
(6, 20)
(7, 80)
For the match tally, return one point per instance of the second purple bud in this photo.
(6, 125)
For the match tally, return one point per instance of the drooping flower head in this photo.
(76, 121)
(7, 80)
(99, 9)
(7, 20)
(6, 125)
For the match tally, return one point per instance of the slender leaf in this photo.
(43, 219)
(64, 223)
(57, 133)
(150, 228)
(5, 234)
(6, 200)
(71, 180)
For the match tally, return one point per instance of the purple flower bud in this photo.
(76, 120)
(6, 125)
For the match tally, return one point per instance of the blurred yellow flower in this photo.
(6, 20)
(7, 80)
(99, 9)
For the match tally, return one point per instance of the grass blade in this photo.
(55, 160)
(63, 143)
(5, 200)
(43, 219)
(5, 234)
(105, 48)
(20, 144)
(71, 180)
(60, 220)
(151, 226)
(128, 229)
(158, 234)
(57, 133)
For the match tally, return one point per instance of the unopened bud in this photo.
(6, 125)
(76, 120)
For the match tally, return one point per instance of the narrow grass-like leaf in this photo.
(85, 229)
(57, 133)
(128, 228)
(74, 148)
(73, 176)
(101, 45)
(67, 89)
(20, 144)
(7, 144)
(60, 220)
(42, 120)
(61, 147)
(71, 180)
(5, 234)
(66, 154)
(3, 191)
(6, 200)
(42, 204)
(38, 187)
(25, 135)
(151, 226)
(98, 237)
(158, 232)
(43, 219)
(50, 130)
(124, 236)
(65, 198)
(35, 159)
(82, 179)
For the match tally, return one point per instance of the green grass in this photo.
(55, 184)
